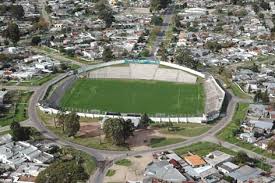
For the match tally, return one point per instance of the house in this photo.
(15, 154)
(217, 157)
(245, 173)
(248, 137)
(227, 167)
(194, 160)
(256, 111)
(165, 171)
(2, 95)
(262, 124)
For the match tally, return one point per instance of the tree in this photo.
(183, 57)
(60, 171)
(144, 53)
(72, 124)
(128, 129)
(156, 20)
(214, 46)
(255, 68)
(258, 96)
(60, 120)
(107, 54)
(36, 40)
(241, 157)
(177, 21)
(117, 130)
(271, 145)
(141, 39)
(17, 11)
(19, 133)
(156, 5)
(42, 24)
(144, 121)
(105, 12)
(265, 5)
(265, 97)
(12, 32)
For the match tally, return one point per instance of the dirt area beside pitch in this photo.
(134, 172)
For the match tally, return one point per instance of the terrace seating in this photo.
(164, 74)
(143, 71)
(214, 96)
(111, 72)
(140, 71)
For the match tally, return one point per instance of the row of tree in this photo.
(68, 122)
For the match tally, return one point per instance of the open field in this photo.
(182, 129)
(90, 135)
(135, 96)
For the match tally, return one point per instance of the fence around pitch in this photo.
(199, 119)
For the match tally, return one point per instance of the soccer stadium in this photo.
(165, 91)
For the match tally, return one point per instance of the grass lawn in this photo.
(162, 141)
(38, 80)
(93, 142)
(18, 112)
(123, 162)
(227, 134)
(204, 148)
(184, 129)
(111, 172)
(238, 92)
(132, 96)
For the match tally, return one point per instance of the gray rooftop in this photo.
(245, 173)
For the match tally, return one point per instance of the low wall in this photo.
(155, 119)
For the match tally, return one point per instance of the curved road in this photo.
(104, 157)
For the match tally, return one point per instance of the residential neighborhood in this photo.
(152, 91)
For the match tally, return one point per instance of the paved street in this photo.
(165, 25)
(104, 157)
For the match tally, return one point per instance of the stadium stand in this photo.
(111, 72)
(214, 98)
(143, 71)
(184, 77)
(164, 74)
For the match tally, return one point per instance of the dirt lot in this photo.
(134, 172)
(141, 138)
(89, 130)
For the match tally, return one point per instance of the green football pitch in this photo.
(135, 96)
